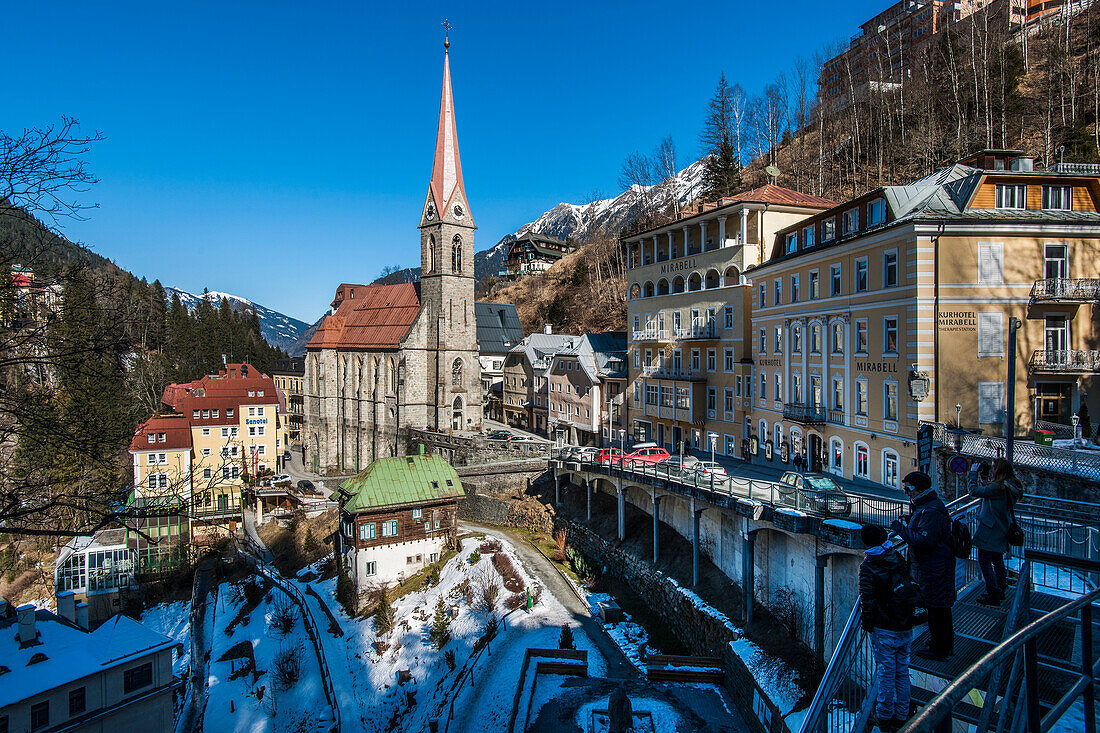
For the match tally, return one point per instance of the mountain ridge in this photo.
(279, 329)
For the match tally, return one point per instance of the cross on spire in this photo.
(446, 33)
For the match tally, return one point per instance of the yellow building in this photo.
(162, 465)
(892, 308)
(288, 375)
(688, 317)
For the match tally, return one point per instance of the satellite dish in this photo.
(772, 171)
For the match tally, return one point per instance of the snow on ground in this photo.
(234, 702)
(174, 621)
(630, 637)
(366, 682)
(842, 524)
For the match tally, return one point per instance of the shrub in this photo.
(504, 566)
(287, 666)
(252, 591)
(383, 614)
(488, 588)
(441, 625)
(514, 601)
(490, 545)
(559, 540)
(283, 616)
(580, 566)
(431, 574)
(475, 557)
(565, 640)
(345, 592)
(309, 542)
(449, 655)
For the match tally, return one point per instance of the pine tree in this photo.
(441, 625)
(720, 140)
(383, 615)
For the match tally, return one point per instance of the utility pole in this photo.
(1010, 387)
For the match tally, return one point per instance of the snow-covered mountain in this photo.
(580, 221)
(277, 328)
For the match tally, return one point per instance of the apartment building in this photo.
(161, 451)
(894, 307)
(498, 330)
(289, 375)
(524, 386)
(688, 317)
(61, 676)
(93, 571)
(584, 387)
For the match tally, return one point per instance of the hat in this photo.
(918, 480)
(873, 535)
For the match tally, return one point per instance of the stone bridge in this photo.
(770, 551)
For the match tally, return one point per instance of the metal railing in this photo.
(664, 371)
(1088, 168)
(1083, 463)
(1021, 702)
(805, 412)
(1065, 360)
(1060, 431)
(1076, 290)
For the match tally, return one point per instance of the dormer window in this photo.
(1058, 198)
(828, 229)
(851, 221)
(1011, 196)
(152, 438)
(792, 243)
(161, 437)
(876, 212)
(808, 237)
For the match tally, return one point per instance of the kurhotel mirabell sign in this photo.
(958, 321)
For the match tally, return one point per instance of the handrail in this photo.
(942, 705)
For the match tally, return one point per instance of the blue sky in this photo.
(275, 149)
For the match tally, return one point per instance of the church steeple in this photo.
(446, 189)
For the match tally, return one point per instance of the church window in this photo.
(456, 254)
(456, 373)
(431, 253)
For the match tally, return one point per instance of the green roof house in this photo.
(397, 516)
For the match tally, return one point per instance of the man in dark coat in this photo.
(887, 614)
(928, 534)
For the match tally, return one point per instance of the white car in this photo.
(706, 469)
(281, 478)
(677, 465)
(586, 454)
(520, 438)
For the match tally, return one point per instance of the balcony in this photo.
(695, 331)
(661, 371)
(836, 417)
(1069, 361)
(1066, 290)
(807, 414)
(650, 334)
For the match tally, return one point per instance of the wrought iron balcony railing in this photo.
(1068, 361)
(661, 371)
(1066, 290)
(804, 413)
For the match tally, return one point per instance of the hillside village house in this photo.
(893, 307)
(532, 253)
(397, 516)
(59, 676)
(688, 314)
(93, 571)
(393, 356)
(161, 450)
(288, 375)
(498, 330)
(583, 389)
(524, 406)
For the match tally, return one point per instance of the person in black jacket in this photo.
(887, 614)
(928, 532)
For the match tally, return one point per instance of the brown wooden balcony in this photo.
(1068, 361)
(805, 413)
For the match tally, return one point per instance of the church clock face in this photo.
(459, 213)
(430, 214)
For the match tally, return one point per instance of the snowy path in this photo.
(202, 624)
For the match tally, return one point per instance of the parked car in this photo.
(499, 435)
(286, 455)
(814, 492)
(586, 454)
(306, 485)
(644, 454)
(521, 439)
(605, 456)
(679, 465)
(566, 452)
(281, 478)
(705, 469)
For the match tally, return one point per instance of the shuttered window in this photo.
(991, 396)
(991, 263)
(991, 334)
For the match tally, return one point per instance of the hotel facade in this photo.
(688, 318)
(894, 308)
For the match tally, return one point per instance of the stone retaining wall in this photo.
(520, 512)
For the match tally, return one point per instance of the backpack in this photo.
(903, 596)
(961, 541)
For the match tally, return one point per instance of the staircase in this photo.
(1035, 647)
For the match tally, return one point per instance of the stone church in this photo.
(393, 356)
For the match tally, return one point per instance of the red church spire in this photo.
(447, 166)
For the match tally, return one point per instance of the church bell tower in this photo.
(447, 279)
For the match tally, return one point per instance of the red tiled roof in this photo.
(772, 194)
(369, 317)
(175, 428)
(226, 390)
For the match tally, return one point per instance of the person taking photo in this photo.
(996, 517)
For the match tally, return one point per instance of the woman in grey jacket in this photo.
(991, 535)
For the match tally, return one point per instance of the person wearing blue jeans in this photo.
(887, 600)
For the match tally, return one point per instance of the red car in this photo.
(645, 454)
(608, 455)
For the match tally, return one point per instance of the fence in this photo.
(467, 671)
(1083, 463)
(300, 600)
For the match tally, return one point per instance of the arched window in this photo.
(836, 457)
(431, 253)
(456, 373)
(393, 376)
(456, 254)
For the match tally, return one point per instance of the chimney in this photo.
(82, 615)
(27, 633)
(66, 605)
(547, 328)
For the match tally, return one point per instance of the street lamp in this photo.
(713, 443)
(958, 413)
